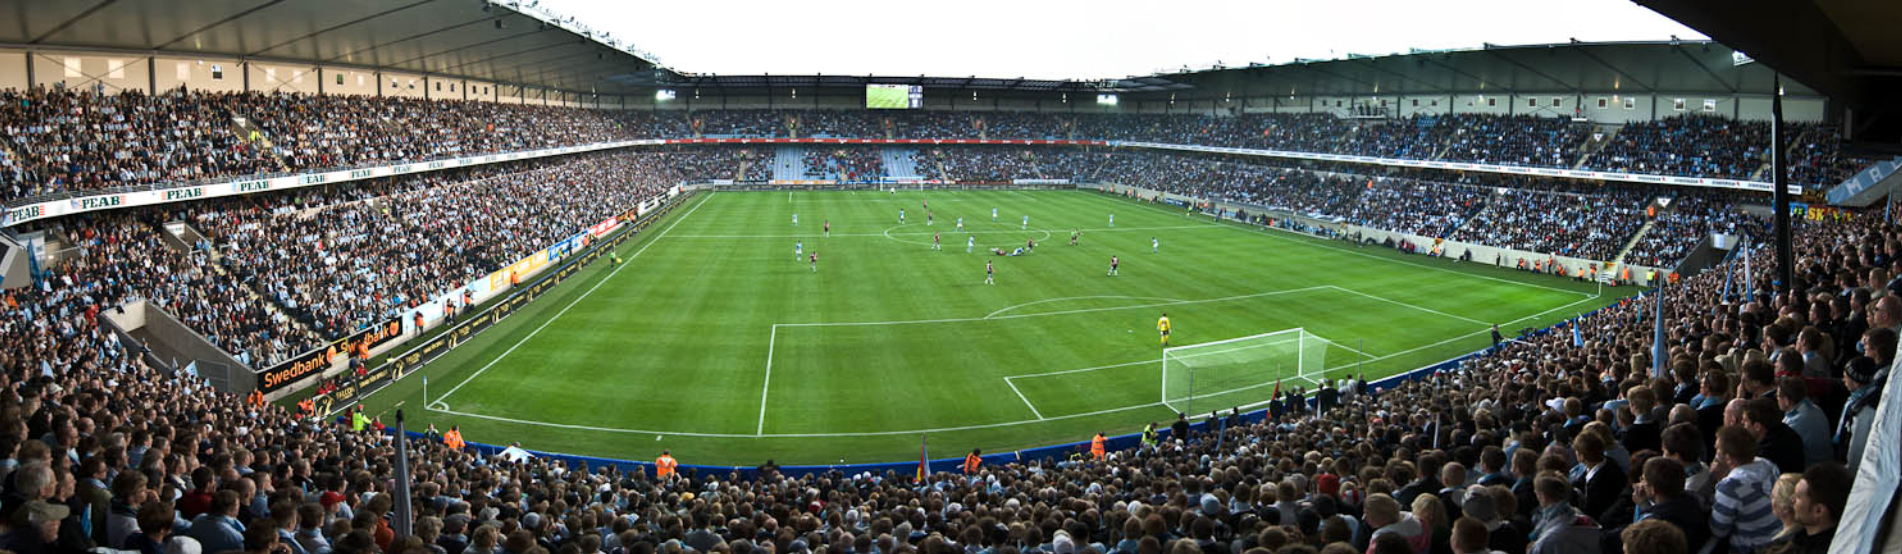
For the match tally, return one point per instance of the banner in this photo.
(317, 360)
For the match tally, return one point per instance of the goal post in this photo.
(1240, 371)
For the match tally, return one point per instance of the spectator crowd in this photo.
(67, 140)
(1560, 443)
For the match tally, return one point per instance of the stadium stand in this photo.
(1558, 440)
(54, 144)
(1531, 442)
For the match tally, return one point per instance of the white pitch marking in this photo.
(993, 314)
(1409, 305)
(767, 385)
(1027, 404)
(921, 233)
(578, 299)
(1045, 314)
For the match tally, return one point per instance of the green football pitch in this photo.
(715, 342)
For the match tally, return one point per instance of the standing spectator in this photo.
(1802, 416)
(37, 531)
(219, 530)
(1470, 537)
(1603, 481)
(1558, 528)
(1864, 381)
(1660, 496)
(1741, 511)
(1655, 537)
(1775, 440)
(1385, 518)
(1820, 498)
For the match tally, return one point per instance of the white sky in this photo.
(1083, 40)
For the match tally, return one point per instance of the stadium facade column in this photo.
(1786, 275)
(320, 80)
(425, 86)
(244, 66)
(379, 82)
(151, 75)
(30, 83)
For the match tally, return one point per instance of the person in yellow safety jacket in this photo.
(1651, 277)
(359, 420)
(1098, 446)
(665, 464)
(1149, 435)
(972, 461)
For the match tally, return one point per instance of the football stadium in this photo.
(486, 277)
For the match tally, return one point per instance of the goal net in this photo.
(1240, 371)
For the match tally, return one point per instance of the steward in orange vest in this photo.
(1097, 446)
(665, 464)
(453, 438)
(972, 460)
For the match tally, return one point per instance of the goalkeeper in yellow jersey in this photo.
(1162, 325)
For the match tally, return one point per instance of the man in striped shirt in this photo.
(1741, 510)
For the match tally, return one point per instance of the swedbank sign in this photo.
(317, 360)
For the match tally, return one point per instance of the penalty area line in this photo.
(1020, 396)
(766, 385)
(577, 300)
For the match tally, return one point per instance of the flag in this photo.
(1657, 339)
(924, 461)
(1731, 271)
(1577, 340)
(1749, 289)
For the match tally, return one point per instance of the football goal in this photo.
(1239, 371)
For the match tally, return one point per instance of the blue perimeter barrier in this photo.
(907, 468)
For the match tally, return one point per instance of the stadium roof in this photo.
(1690, 67)
(1576, 68)
(509, 41)
(1846, 49)
(463, 38)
